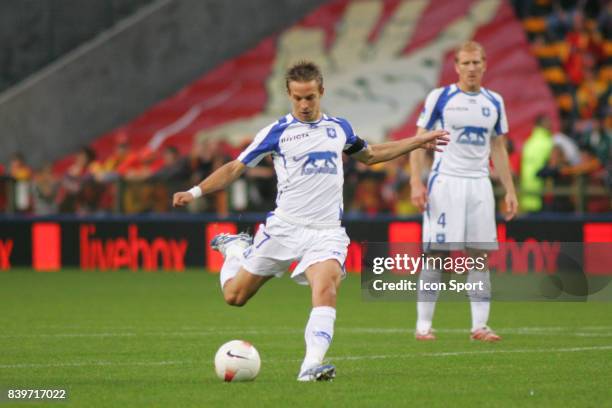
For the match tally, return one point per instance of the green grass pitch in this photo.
(124, 339)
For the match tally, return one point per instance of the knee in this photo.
(325, 292)
(234, 298)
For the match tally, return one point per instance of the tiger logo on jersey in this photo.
(328, 165)
(472, 135)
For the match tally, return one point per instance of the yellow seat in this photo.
(534, 24)
(555, 75)
(605, 74)
(565, 102)
(607, 48)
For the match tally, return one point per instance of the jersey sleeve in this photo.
(430, 115)
(265, 142)
(501, 126)
(353, 142)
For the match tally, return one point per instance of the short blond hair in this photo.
(470, 46)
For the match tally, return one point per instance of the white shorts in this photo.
(460, 213)
(278, 243)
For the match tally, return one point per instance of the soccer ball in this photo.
(237, 360)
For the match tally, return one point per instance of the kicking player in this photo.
(307, 147)
(458, 202)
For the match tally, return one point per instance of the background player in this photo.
(307, 148)
(458, 202)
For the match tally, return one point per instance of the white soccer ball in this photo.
(237, 360)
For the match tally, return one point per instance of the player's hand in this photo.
(431, 140)
(511, 206)
(418, 195)
(182, 198)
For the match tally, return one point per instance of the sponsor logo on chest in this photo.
(294, 138)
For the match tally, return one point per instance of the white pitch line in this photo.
(62, 335)
(93, 363)
(576, 331)
(334, 358)
(460, 353)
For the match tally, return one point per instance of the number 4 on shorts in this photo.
(442, 220)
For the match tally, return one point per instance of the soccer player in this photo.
(458, 202)
(307, 147)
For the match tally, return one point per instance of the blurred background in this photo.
(107, 107)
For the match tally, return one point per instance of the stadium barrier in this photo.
(118, 196)
(176, 242)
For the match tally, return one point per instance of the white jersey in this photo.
(308, 163)
(472, 119)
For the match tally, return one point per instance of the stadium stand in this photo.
(380, 57)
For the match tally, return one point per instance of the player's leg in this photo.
(324, 279)
(431, 274)
(480, 299)
(238, 284)
(481, 237)
(238, 290)
(443, 225)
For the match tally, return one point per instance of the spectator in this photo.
(45, 188)
(140, 165)
(559, 22)
(3, 188)
(79, 192)
(396, 190)
(207, 155)
(593, 174)
(567, 144)
(108, 170)
(368, 195)
(136, 170)
(551, 173)
(261, 186)
(589, 93)
(536, 151)
(175, 168)
(594, 134)
(21, 173)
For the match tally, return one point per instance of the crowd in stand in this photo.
(142, 181)
(555, 171)
(572, 41)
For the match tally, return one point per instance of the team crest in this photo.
(331, 133)
(486, 112)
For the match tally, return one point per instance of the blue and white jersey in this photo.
(308, 163)
(472, 119)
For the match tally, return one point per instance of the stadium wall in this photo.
(35, 32)
(173, 243)
(143, 59)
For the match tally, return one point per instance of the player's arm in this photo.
(418, 192)
(383, 152)
(218, 180)
(499, 155)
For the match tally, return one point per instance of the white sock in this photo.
(426, 304)
(233, 260)
(480, 300)
(318, 335)
(425, 312)
(480, 313)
